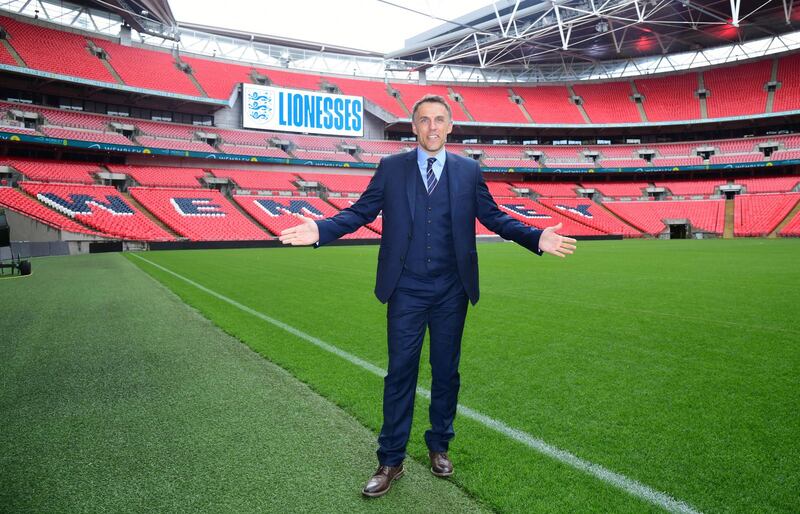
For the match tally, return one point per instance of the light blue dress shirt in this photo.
(438, 166)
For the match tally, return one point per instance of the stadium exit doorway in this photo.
(678, 231)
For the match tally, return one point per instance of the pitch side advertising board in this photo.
(309, 112)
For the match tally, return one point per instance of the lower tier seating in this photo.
(200, 215)
(539, 216)
(17, 201)
(343, 203)
(101, 207)
(704, 215)
(589, 213)
(276, 213)
(792, 229)
(758, 215)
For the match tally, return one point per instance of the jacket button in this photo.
(401, 259)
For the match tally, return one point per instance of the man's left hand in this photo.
(556, 244)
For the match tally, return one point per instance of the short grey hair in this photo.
(437, 99)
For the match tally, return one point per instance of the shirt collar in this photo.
(422, 157)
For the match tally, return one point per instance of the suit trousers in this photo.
(438, 304)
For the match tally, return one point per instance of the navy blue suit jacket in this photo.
(393, 190)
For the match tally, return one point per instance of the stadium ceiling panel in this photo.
(525, 33)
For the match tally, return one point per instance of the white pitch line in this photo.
(629, 485)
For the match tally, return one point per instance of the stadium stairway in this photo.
(585, 116)
(730, 209)
(789, 217)
(13, 53)
(152, 217)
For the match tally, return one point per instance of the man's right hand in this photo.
(306, 233)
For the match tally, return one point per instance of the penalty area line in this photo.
(621, 482)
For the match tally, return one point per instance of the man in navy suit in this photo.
(427, 271)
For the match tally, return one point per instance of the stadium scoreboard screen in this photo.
(309, 112)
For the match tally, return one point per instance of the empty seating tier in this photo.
(691, 187)
(737, 90)
(161, 176)
(53, 171)
(549, 104)
(277, 213)
(175, 144)
(704, 215)
(792, 229)
(589, 213)
(787, 96)
(551, 189)
(758, 215)
(200, 215)
(339, 183)
(18, 201)
(101, 207)
(608, 103)
(539, 216)
(768, 184)
(259, 180)
(54, 51)
(670, 98)
(218, 79)
(618, 189)
(491, 104)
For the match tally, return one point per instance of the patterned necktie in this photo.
(431, 176)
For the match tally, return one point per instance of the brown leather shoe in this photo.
(380, 483)
(440, 464)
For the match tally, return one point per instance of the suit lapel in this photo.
(453, 183)
(411, 171)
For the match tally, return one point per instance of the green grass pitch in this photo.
(673, 363)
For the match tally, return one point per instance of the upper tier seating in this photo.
(549, 104)
(339, 182)
(618, 189)
(343, 203)
(101, 207)
(733, 91)
(787, 96)
(490, 104)
(5, 56)
(551, 189)
(737, 90)
(375, 92)
(410, 93)
(758, 215)
(161, 176)
(218, 79)
(147, 68)
(608, 102)
(691, 187)
(259, 180)
(590, 213)
(277, 213)
(705, 215)
(17, 201)
(200, 215)
(64, 53)
(768, 184)
(539, 216)
(670, 98)
(52, 171)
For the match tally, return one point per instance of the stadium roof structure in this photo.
(525, 38)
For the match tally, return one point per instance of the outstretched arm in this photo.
(306, 233)
(556, 244)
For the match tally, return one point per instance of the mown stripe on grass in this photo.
(622, 482)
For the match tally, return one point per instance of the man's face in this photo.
(431, 126)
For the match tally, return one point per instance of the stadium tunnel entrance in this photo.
(677, 229)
